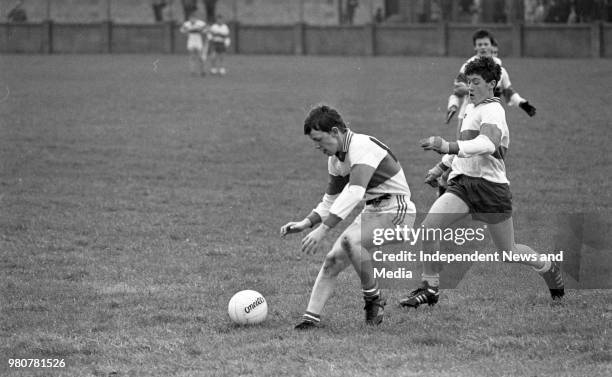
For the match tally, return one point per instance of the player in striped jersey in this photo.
(197, 43)
(220, 38)
(484, 44)
(360, 168)
(477, 183)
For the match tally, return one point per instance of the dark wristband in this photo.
(453, 147)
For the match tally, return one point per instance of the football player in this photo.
(484, 43)
(360, 168)
(197, 43)
(477, 183)
(220, 37)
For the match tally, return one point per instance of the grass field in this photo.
(135, 200)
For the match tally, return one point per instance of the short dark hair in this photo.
(323, 118)
(484, 66)
(480, 34)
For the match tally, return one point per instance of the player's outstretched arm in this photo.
(487, 142)
(438, 144)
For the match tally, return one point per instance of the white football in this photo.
(247, 307)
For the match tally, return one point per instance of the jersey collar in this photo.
(341, 154)
(490, 100)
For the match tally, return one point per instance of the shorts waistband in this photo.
(378, 200)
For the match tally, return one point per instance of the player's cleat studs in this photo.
(374, 310)
(425, 294)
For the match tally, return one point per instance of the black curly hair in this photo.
(484, 66)
(323, 118)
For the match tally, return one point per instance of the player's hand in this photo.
(294, 227)
(431, 178)
(438, 144)
(312, 242)
(528, 108)
(450, 113)
(460, 88)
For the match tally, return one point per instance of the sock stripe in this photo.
(371, 292)
(312, 316)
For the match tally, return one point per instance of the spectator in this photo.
(540, 12)
(573, 17)
(378, 16)
(351, 5)
(530, 10)
(158, 9)
(476, 11)
(17, 14)
(189, 7)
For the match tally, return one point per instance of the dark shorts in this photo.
(218, 47)
(488, 201)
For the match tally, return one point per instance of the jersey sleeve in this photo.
(504, 80)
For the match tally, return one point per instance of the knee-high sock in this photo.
(321, 291)
(431, 270)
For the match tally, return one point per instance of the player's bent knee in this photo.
(333, 264)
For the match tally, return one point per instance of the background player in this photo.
(360, 167)
(484, 42)
(220, 38)
(478, 184)
(197, 43)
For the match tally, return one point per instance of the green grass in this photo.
(134, 202)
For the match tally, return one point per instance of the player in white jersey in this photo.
(484, 45)
(478, 184)
(360, 168)
(197, 43)
(220, 39)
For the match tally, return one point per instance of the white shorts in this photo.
(390, 213)
(194, 46)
